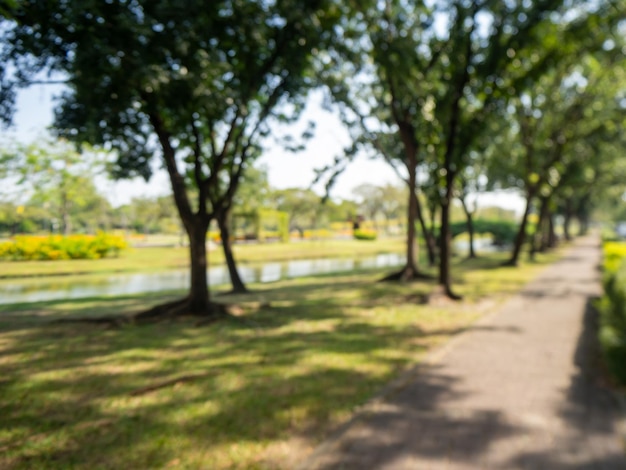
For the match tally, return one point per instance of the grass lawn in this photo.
(258, 391)
(160, 258)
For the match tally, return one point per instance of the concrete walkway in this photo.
(517, 391)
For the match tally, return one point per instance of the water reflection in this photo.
(53, 288)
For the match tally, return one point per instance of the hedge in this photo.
(612, 308)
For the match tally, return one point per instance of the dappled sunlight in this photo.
(295, 362)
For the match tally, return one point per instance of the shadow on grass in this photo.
(69, 393)
(423, 422)
(413, 425)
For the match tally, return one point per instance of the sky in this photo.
(285, 169)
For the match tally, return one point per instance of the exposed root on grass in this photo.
(113, 321)
(208, 313)
(441, 296)
(406, 274)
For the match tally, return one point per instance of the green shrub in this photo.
(503, 231)
(363, 234)
(612, 308)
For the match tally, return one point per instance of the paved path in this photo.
(514, 392)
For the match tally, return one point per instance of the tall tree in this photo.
(475, 67)
(198, 85)
(381, 84)
(558, 120)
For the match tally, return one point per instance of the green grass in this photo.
(161, 258)
(254, 392)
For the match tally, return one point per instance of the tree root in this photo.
(406, 274)
(178, 308)
(442, 295)
(114, 321)
(183, 307)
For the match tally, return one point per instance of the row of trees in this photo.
(56, 190)
(529, 94)
(52, 188)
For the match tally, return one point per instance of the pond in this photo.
(74, 287)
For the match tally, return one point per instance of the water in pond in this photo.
(74, 287)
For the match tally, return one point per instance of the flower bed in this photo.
(57, 247)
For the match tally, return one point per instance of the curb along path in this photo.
(517, 392)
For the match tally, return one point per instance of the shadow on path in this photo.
(413, 426)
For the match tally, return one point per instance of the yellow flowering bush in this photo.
(57, 247)
(364, 234)
(612, 307)
(614, 254)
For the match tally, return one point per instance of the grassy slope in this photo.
(158, 258)
(258, 391)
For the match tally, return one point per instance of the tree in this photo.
(481, 60)
(303, 206)
(560, 120)
(416, 93)
(57, 178)
(198, 86)
(370, 201)
(393, 202)
(380, 83)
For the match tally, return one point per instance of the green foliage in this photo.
(503, 231)
(363, 234)
(272, 224)
(56, 247)
(199, 86)
(59, 184)
(612, 307)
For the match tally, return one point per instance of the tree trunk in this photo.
(582, 215)
(223, 220)
(470, 228)
(537, 239)
(196, 225)
(429, 237)
(470, 231)
(583, 223)
(542, 226)
(433, 217)
(567, 219)
(198, 300)
(410, 271)
(521, 233)
(552, 240)
(445, 243)
(411, 249)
